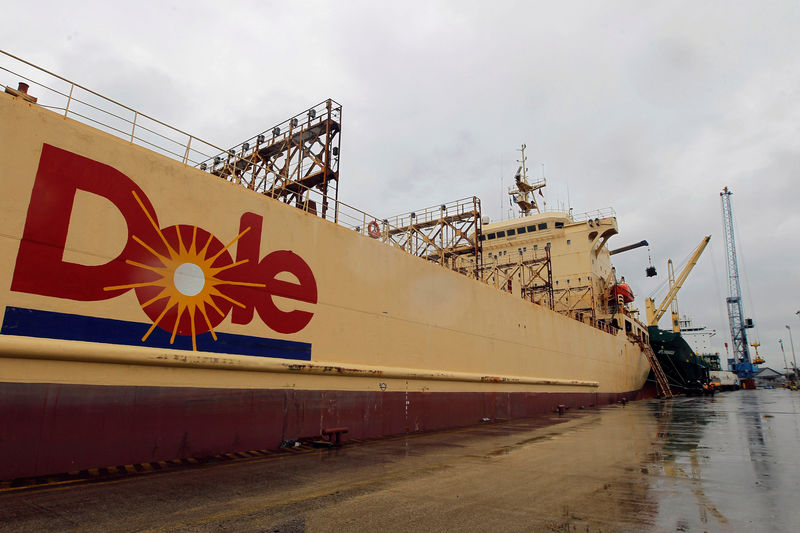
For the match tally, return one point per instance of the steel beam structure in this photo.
(446, 234)
(741, 362)
(289, 161)
(531, 274)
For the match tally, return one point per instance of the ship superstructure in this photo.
(558, 259)
(580, 274)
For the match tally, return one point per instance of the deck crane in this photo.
(741, 362)
(653, 314)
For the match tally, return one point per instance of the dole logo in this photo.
(184, 277)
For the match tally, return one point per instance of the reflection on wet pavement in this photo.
(730, 463)
(727, 463)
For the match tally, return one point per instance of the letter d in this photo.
(40, 268)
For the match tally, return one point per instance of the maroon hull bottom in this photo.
(650, 389)
(50, 428)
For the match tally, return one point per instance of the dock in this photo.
(722, 463)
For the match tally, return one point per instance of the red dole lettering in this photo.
(153, 257)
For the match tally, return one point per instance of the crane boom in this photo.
(629, 247)
(676, 324)
(653, 314)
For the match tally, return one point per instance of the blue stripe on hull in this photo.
(52, 325)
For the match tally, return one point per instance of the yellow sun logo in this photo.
(186, 298)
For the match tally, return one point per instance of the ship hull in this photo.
(685, 371)
(64, 428)
(302, 325)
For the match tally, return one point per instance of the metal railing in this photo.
(77, 102)
(604, 212)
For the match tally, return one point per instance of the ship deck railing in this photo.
(594, 214)
(605, 212)
(79, 103)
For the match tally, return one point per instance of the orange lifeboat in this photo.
(624, 290)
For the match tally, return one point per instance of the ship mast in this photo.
(524, 195)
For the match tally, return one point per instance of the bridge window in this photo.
(521, 230)
(491, 236)
(482, 238)
(559, 225)
(512, 232)
(501, 234)
(543, 226)
(532, 228)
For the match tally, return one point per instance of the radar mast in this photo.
(524, 193)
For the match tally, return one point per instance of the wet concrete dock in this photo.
(728, 463)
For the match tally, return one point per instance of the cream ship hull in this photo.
(375, 340)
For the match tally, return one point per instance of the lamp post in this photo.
(785, 364)
(791, 341)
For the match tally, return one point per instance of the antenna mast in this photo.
(524, 195)
(741, 362)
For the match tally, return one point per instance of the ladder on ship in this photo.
(661, 378)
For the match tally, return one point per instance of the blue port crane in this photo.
(741, 362)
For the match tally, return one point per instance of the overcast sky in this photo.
(647, 107)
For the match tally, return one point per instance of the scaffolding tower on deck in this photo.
(447, 234)
(290, 160)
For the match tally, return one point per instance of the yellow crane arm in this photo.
(653, 314)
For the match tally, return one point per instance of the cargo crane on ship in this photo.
(740, 362)
(654, 314)
(682, 367)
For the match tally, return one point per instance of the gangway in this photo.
(658, 372)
